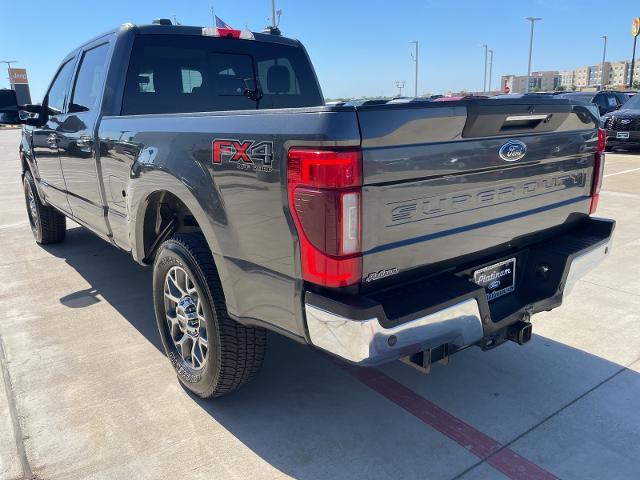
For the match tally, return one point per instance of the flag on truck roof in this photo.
(221, 24)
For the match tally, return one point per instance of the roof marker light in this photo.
(247, 35)
(227, 33)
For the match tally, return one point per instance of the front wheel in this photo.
(47, 224)
(212, 354)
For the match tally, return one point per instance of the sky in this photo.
(358, 47)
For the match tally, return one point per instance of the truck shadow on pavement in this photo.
(309, 418)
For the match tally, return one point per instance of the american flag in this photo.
(221, 24)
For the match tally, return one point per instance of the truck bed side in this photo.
(240, 208)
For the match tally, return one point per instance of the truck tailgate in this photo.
(436, 188)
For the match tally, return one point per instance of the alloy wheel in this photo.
(186, 322)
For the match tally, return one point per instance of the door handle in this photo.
(84, 141)
(52, 140)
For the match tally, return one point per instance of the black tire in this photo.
(47, 224)
(234, 352)
(608, 148)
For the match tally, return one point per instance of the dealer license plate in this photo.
(623, 135)
(497, 279)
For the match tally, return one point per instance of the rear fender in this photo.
(151, 182)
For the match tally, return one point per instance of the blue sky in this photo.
(358, 47)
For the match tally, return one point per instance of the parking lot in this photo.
(88, 393)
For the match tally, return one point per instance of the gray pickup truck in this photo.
(373, 231)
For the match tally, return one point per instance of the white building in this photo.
(566, 79)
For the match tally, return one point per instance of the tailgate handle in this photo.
(518, 122)
(516, 118)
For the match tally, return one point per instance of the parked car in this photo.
(374, 231)
(521, 95)
(453, 99)
(623, 125)
(605, 101)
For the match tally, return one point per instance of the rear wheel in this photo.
(212, 354)
(47, 224)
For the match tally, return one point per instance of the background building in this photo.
(546, 81)
(539, 82)
(636, 73)
(566, 79)
(596, 74)
(618, 74)
(616, 77)
(581, 77)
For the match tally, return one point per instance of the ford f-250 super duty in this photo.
(374, 231)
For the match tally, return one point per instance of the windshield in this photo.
(578, 97)
(633, 103)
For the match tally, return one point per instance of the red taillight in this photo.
(325, 199)
(325, 168)
(602, 140)
(598, 170)
(227, 33)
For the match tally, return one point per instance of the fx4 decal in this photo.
(247, 154)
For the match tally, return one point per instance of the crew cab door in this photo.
(76, 138)
(45, 138)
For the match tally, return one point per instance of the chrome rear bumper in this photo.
(586, 261)
(366, 342)
(360, 332)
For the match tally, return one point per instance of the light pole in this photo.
(400, 85)
(533, 20)
(635, 31)
(490, 67)
(604, 56)
(484, 79)
(415, 59)
(8, 62)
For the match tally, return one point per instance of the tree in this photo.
(560, 88)
(636, 84)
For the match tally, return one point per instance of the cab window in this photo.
(90, 78)
(59, 88)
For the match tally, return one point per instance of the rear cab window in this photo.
(89, 80)
(186, 73)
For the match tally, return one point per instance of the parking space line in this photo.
(503, 459)
(620, 173)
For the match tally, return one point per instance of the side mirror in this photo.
(9, 111)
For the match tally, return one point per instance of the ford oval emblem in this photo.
(512, 151)
(493, 285)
